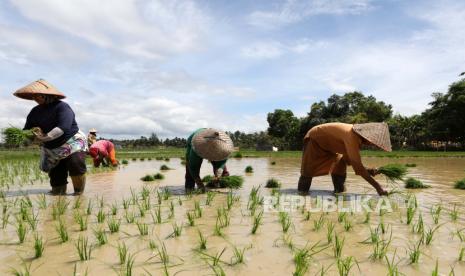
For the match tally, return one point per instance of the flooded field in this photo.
(123, 226)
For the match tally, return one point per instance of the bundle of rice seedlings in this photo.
(14, 136)
(147, 178)
(393, 172)
(413, 183)
(460, 184)
(164, 167)
(158, 176)
(125, 162)
(273, 163)
(410, 165)
(232, 181)
(273, 183)
(249, 169)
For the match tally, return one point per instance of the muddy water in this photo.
(266, 252)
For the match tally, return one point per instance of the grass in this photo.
(345, 265)
(460, 184)
(436, 213)
(318, 223)
(393, 172)
(347, 224)
(380, 249)
(414, 252)
(38, 246)
(128, 266)
(329, 232)
(238, 257)
(190, 218)
(210, 196)
(413, 183)
(429, 235)
(129, 217)
(392, 265)
(83, 248)
(122, 253)
(285, 221)
(197, 209)
(454, 213)
(273, 183)
(101, 216)
(143, 228)
(114, 225)
(177, 230)
(21, 230)
(249, 169)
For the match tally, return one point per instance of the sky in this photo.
(133, 67)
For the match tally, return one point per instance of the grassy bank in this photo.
(179, 152)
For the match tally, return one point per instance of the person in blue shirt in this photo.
(63, 146)
(210, 144)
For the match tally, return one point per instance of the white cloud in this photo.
(274, 49)
(293, 11)
(148, 29)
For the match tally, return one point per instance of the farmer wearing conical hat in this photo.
(103, 151)
(63, 146)
(210, 144)
(330, 148)
(92, 136)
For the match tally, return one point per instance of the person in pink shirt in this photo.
(103, 151)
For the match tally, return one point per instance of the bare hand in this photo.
(373, 171)
(382, 192)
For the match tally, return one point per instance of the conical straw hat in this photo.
(38, 87)
(376, 133)
(212, 144)
(92, 130)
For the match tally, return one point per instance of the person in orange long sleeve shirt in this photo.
(330, 148)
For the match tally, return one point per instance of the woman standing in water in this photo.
(63, 146)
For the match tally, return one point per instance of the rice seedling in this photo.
(429, 235)
(126, 203)
(238, 257)
(128, 266)
(411, 209)
(414, 252)
(113, 225)
(345, 265)
(413, 183)
(164, 168)
(163, 254)
(77, 203)
(249, 169)
(273, 183)
(122, 253)
(190, 217)
(367, 217)
(436, 269)
(21, 272)
(338, 245)
(392, 265)
(157, 216)
(141, 209)
(307, 216)
(143, 228)
(62, 231)
(79, 219)
(410, 165)
(216, 259)
(436, 213)
(380, 249)
(42, 201)
(83, 248)
(38, 246)
(101, 216)
(318, 223)
(257, 220)
(202, 241)
(341, 216)
(285, 221)
(21, 230)
(223, 218)
(100, 236)
(419, 227)
(329, 232)
(302, 258)
(460, 184)
(166, 193)
(347, 224)
(129, 217)
(5, 219)
(32, 219)
(197, 209)
(210, 196)
(393, 172)
(89, 207)
(171, 214)
(134, 196)
(454, 213)
(218, 230)
(460, 235)
(461, 254)
(114, 209)
(177, 230)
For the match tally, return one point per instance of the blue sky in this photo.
(131, 67)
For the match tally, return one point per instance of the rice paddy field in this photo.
(122, 225)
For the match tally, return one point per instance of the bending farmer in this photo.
(63, 146)
(330, 148)
(103, 151)
(210, 144)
